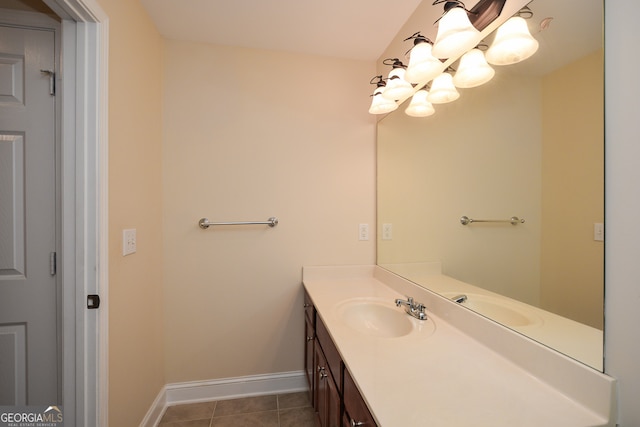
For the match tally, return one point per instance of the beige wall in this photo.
(573, 190)
(250, 134)
(136, 359)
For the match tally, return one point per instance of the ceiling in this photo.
(357, 29)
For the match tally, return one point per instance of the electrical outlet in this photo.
(387, 231)
(363, 232)
(129, 241)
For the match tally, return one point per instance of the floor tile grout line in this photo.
(215, 406)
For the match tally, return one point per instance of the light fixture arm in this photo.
(480, 15)
(450, 4)
(394, 62)
(379, 81)
(418, 38)
(525, 13)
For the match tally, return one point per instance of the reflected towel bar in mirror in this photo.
(514, 220)
(271, 222)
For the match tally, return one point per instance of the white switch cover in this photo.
(598, 232)
(387, 231)
(363, 232)
(128, 241)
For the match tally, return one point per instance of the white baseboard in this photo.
(225, 388)
(156, 411)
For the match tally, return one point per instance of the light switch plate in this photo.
(598, 232)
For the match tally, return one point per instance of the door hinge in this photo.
(52, 81)
(52, 263)
(93, 301)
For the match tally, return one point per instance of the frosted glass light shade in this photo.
(513, 43)
(380, 104)
(397, 86)
(473, 70)
(456, 35)
(423, 66)
(419, 106)
(443, 90)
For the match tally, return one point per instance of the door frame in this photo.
(84, 209)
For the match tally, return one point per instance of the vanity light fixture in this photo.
(473, 70)
(397, 86)
(423, 66)
(456, 34)
(443, 90)
(380, 104)
(459, 33)
(419, 106)
(513, 42)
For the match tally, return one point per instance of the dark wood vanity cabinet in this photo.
(355, 412)
(336, 399)
(327, 402)
(309, 336)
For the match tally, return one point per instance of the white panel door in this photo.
(29, 297)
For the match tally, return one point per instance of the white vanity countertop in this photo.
(447, 377)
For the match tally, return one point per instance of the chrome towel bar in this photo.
(271, 222)
(514, 220)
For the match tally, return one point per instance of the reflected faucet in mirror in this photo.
(459, 298)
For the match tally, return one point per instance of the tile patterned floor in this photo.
(283, 410)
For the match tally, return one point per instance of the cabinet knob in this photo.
(323, 374)
(356, 423)
(307, 305)
(309, 338)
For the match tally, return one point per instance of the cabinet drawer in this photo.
(356, 412)
(330, 352)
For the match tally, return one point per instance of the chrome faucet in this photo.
(413, 308)
(460, 298)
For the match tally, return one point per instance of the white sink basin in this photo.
(502, 311)
(375, 317)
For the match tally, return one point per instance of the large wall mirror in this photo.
(528, 144)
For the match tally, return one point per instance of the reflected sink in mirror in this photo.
(378, 318)
(500, 310)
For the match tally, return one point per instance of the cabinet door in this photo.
(327, 398)
(333, 403)
(330, 351)
(308, 356)
(320, 403)
(356, 412)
